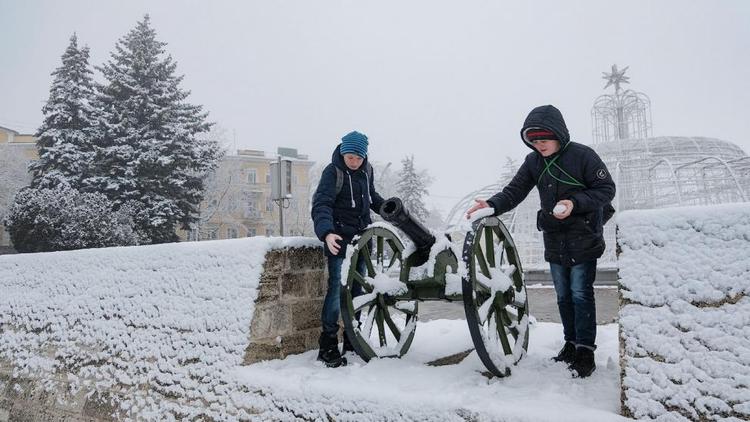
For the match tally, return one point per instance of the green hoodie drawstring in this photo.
(553, 162)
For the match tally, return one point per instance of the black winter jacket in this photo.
(577, 238)
(348, 213)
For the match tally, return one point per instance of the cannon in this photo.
(381, 321)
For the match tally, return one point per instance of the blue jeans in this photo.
(575, 300)
(332, 303)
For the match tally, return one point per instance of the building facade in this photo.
(17, 150)
(238, 199)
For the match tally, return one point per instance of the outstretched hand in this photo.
(480, 203)
(332, 243)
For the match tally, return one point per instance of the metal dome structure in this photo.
(650, 172)
(625, 114)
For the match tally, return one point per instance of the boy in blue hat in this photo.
(341, 210)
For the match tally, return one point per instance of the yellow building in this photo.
(16, 152)
(238, 198)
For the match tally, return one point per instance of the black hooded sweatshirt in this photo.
(346, 213)
(576, 173)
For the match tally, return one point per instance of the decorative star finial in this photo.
(616, 77)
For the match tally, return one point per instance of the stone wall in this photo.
(685, 313)
(104, 359)
(290, 300)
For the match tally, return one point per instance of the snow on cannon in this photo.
(381, 321)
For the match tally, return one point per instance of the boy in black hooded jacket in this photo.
(575, 191)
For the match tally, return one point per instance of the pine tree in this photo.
(412, 188)
(150, 152)
(64, 138)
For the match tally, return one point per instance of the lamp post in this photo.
(281, 187)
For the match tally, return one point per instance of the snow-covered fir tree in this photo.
(65, 136)
(52, 213)
(150, 152)
(412, 188)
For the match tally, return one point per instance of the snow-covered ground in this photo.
(408, 389)
(686, 272)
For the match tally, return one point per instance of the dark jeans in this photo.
(332, 303)
(575, 300)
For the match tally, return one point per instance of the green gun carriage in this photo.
(381, 321)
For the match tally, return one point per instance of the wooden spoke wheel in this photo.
(377, 323)
(494, 295)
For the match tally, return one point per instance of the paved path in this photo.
(542, 304)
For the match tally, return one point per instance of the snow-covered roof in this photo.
(9, 130)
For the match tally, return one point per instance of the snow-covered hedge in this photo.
(685, 319)
(136, 324)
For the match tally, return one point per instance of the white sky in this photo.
(449, 82)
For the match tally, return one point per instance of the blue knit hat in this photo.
(355, 143)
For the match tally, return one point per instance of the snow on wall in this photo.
(141, 323)
(685, 324)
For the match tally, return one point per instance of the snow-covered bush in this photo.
(62, 218)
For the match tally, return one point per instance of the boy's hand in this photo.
(332, 243)
(480, 203)
(561, 215)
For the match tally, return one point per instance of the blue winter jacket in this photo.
(577, 238)
(348, 213)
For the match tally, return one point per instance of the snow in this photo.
(466, 223)
(173, 321)
(559, 209)
(146, 321)
(407, 389)
(686, 272)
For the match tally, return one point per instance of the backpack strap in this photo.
(339, 180)
(340, 177)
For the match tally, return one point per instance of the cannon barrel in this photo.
(394, 212)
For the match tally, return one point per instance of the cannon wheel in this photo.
(494, 295)
(385, 326)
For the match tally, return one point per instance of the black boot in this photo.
(329, 351)
(567, 354)
(584, 364)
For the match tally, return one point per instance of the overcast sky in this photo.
(449, 82)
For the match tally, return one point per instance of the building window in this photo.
(231, 233)
(250, 231)
(212, 234)
(269, 205)
(252, 175)
(268, 177)
(269, 231)
(251, 211)
(232, 202)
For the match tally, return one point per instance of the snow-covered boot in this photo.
(584, 364)
(567, 354)
(329, 352)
